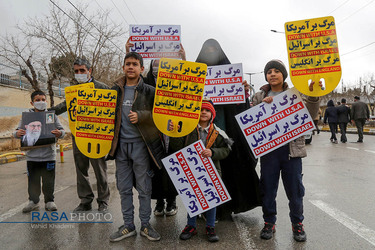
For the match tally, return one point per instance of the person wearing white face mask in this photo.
(40, 161)
(82, 74)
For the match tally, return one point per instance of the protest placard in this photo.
(71, 102)
(95, 121)
(156, 41)
(38, 126)
(313, 54)
(178, 97)
(224, 84)
(268, 126)
(196, 179)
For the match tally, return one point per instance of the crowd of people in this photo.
(138, 147)
(341, 115)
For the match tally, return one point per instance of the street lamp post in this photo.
(252, 90)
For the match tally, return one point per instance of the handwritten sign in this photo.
(313, 54)
(71, 102)
(95, 121)
(224, 84)
(196, 179)
(156, 41)
(267, 127)
(178, 97)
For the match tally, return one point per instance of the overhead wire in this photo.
(338, 7)
(346, 18)
(130, 11)
(80, 12)
(120, 12)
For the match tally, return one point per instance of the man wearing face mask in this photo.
(82, 74)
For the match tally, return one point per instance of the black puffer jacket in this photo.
(143, 102)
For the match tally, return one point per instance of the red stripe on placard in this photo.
(311, 34)
(281, 139)
(95, 120)
(193, 182)
(274, 118)
(97, 103)
(211, 172)
(179, 95)
(176, 113)
(316, 71)
(314, 52)
(94, 136)
(154, 38)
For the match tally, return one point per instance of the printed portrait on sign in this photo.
(38, 126)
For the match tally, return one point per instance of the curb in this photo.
(19, 156)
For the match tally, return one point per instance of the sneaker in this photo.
(51, 206)
(335, 142)
(159, 209)
(298, 232)
(171, 209)
(149, 232)
(360, 141)
(82, 207)
(30, 207)
(122, 233)
(188, 232)
(267, 231)
(102, 207)
(211, 235)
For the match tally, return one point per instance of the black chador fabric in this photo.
(238, 169)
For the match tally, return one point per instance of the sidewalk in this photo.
(8, 157)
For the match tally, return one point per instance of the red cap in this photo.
(207, 104)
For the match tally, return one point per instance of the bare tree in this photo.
(80, 34)
(50, 43)
(18, 51)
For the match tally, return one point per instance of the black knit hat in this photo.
(277, 64)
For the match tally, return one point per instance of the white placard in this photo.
(156, 41)
(196, 179)
(270, 126)
(224, 84)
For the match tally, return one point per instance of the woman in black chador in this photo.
(238, 169)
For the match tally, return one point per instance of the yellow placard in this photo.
(178, 97)
(71, 102)
(95, 121)
(313, 54)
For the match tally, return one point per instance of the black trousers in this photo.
(44, 170)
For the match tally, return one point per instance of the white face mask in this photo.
(81, 78)
(40, 105)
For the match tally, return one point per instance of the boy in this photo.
(217, 147)
(136, 139)
(286, 159)
(41, 161)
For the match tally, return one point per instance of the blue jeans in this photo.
(210, 218)
(132, 159)
(291, 173)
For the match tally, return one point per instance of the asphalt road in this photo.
(339, 209)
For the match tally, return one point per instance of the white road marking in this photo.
(11, 212)
(355, 226)
(244, 233)
(370, 151)
(352, 148)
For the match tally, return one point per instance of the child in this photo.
(217, 147)
(41, 161)
(136, 140)
(286, 159)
